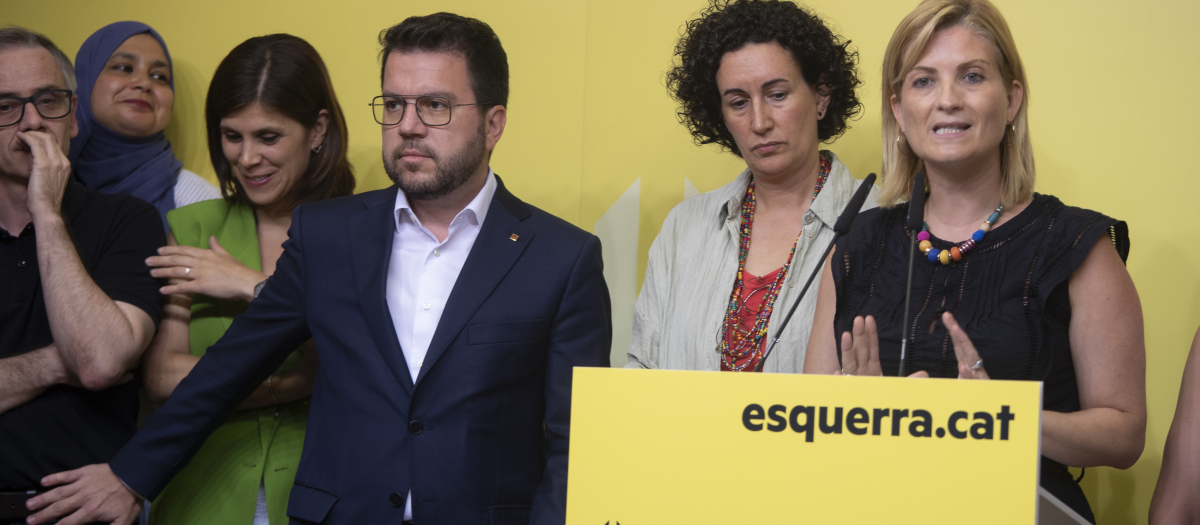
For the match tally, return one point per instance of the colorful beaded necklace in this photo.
(956, 252)
(749, 342)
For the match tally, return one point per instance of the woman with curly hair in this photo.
(767, 81)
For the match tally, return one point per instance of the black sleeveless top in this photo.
(1010, 295)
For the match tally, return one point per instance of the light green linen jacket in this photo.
(692, 267)
(220, 484)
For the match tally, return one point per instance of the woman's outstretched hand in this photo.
(860, 351)
(214, 272)
(970, 365)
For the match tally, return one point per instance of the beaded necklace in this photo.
(747, 343)
(958, 251)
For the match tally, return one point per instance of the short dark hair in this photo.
(725, 26)
(487, 63)
(14, 37)
(284, 74)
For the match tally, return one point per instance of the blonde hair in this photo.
(909, 41)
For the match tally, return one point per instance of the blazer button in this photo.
(415, 427)
(396, 499)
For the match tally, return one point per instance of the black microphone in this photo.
(916, 223)
(916, 204)
(840, 228)
(846, 219)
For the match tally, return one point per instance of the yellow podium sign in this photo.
(659, 447)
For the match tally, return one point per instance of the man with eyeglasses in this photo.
(77, 302)
(448, 315)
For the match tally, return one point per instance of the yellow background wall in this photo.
(1113, 116)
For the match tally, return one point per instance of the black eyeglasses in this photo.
(50, 104)
(433, 111)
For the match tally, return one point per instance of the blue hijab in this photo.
(107, 161)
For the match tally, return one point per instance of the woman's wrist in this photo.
(294, 384)
(257, 289)
(286, 388)
(250, 288)
(271, 384)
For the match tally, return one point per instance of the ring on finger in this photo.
(978, 364)
(845, 373)
(187, 271)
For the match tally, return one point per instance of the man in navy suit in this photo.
(447, 313)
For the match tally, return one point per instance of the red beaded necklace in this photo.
(748, 343)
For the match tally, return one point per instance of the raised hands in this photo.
(214, 272)
(49, 174)
(970, 365)
(860, 350)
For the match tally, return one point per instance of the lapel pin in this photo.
(514, 237)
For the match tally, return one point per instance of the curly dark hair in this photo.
(825, 59)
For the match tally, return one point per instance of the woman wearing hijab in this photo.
(126, 92)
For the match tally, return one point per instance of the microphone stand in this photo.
(912, 251)
(841, 228)
(795, 304)
(916, 220)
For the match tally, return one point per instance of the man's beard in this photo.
(448, 175)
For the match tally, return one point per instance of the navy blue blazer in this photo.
(481, 438)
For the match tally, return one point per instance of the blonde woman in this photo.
(1010, 284)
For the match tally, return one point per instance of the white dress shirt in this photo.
(422, 272)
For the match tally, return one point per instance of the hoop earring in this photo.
(317, 149)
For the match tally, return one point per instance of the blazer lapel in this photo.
(239, 237)
(500, 243)
(371, 234)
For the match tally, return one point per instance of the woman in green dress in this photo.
(277, 139)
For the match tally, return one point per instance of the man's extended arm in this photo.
(581, 336)
(257, 342)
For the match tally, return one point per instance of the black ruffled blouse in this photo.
(1010, 294)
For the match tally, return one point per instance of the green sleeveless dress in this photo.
(220, 485)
